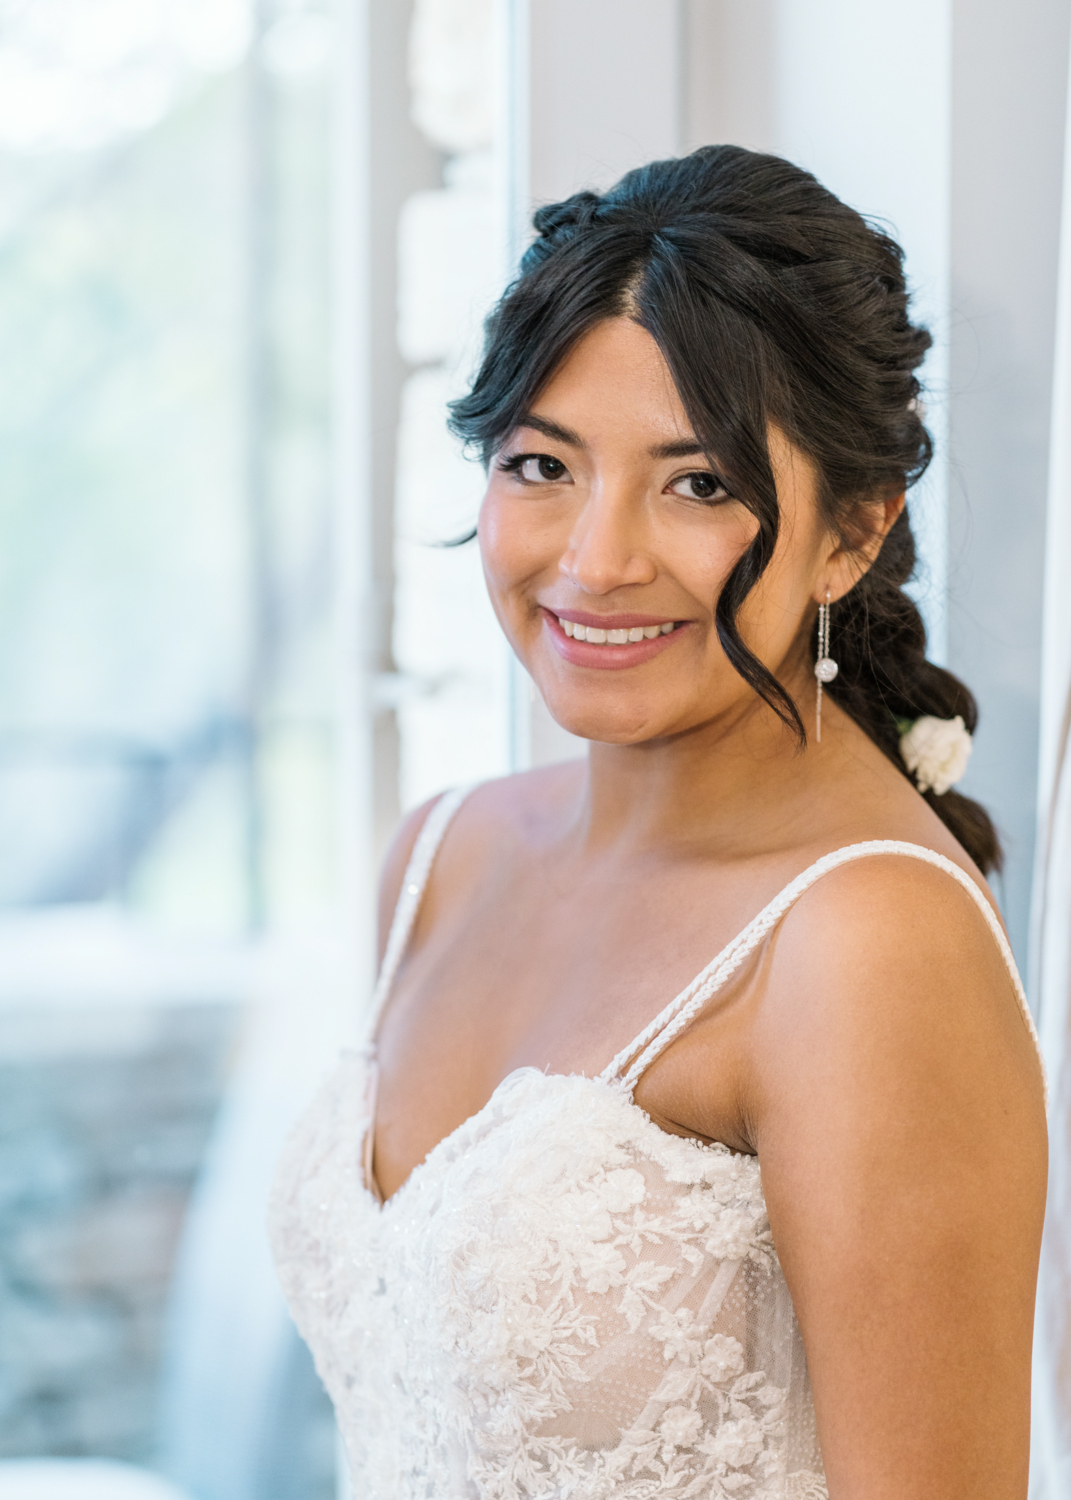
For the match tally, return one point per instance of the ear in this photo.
(849, 557)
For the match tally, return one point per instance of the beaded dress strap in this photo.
(669, 1024)
(409, 897)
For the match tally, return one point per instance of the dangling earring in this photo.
(825, 668)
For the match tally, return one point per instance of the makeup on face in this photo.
(610, 641)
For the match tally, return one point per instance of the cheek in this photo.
(771, 615)
(516, 545)
(700, 554)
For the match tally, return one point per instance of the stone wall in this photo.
(104, 1119)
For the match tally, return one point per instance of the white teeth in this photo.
(599, 637)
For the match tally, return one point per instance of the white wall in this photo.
(1008, 95)
(606, 91)
(862, 98)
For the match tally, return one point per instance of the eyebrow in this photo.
(552, 430)
(682, 448)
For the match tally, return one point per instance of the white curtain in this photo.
(1051, 936)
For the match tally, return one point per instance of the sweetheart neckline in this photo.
(673, 1018)
(614, 1087)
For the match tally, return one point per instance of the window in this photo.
(168, 722)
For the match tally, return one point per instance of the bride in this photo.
(698, 1148)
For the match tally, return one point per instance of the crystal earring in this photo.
(825, 668)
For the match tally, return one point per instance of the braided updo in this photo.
(771, 301)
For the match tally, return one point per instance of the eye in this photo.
(536, 468)
(700, 484)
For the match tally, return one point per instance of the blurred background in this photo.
(245, 251)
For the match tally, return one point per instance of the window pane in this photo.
(167, 688)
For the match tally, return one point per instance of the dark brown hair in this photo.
(771, 301)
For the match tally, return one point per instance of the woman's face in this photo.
(607, 537)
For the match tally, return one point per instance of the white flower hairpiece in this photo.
(936, 751)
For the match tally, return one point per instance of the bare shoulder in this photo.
(895, 1100)
(889, 951)
(495, 819)
(888, 1012)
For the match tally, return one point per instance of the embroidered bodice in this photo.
(563, 1301)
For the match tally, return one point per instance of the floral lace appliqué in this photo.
(562, 1303)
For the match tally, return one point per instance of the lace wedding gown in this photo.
(563, 1301)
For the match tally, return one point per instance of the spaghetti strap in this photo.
(412, 891)
(633, 1061)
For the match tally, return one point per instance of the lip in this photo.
(605, 622)
(608, 658)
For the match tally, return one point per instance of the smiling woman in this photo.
(619, 507)
(768, 1238)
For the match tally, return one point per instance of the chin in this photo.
(620, 724)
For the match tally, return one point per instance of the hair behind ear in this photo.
(880, 649)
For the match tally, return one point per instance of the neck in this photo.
(738, 783)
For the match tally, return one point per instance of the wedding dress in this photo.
(563, 1301)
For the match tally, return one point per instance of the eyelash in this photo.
(517, 461)
(721, 489)
(514, 462)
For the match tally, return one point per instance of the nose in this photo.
(608, 545)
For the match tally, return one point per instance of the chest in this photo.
(558, 970)
(559, 964)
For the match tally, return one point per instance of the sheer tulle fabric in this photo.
(563, 1302)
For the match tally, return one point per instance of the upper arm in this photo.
(896, 1105)
(394, 868)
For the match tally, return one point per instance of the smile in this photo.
(615, 637)
(623, 641)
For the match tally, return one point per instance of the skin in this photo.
(872, 1053)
